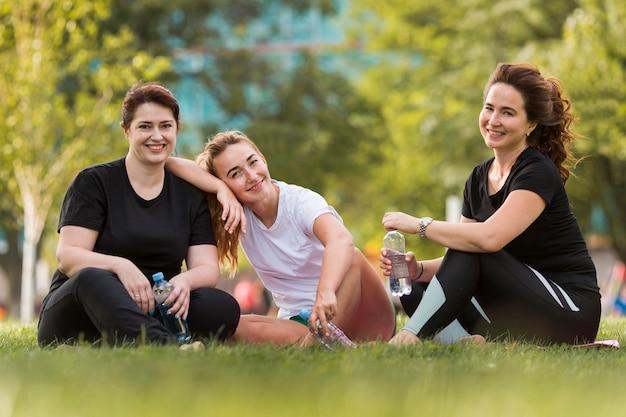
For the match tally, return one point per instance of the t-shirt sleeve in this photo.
(84, 203)
(538, 177)
(311, 205)
(201, 228)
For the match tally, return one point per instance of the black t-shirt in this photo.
(553, 243)
(153, 234)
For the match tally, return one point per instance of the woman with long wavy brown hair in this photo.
(517, 264)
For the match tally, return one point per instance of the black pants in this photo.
(95, 306)
(496, 295)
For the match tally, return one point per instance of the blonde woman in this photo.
(298, 246)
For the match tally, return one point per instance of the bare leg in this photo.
(253, 328)
(364, 310)
(349, 295)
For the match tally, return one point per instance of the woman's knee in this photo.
(459, 263)
(214, 299)
(351, 282)
(96, 282)
(458, 254)
(90, 273)
(360, 265)
(229, 307)
(356, 262)
(213, 313)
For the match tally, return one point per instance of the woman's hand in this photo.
(324, 310)
(179, 298)
(415, 269)
(232, 210)
(404, 337)
(137, 285)
(395, 220)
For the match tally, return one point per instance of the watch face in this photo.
(424, 222)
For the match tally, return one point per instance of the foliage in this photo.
(189, 23)
(216, 44)
(593, 45)
(321, 135)
(62, 84)
(510, 379)
(310, 122)
(430, 92)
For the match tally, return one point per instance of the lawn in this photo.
(375, 380)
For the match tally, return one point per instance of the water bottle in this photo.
(178, 326)
(399, 281)
(336, 336)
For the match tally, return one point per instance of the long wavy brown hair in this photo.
(227, 243)
(545, 105)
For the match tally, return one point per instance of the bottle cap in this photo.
(158, 277)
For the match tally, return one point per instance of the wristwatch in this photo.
(422, 225)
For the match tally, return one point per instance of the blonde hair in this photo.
(227, 243)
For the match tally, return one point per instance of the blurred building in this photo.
(279, 36)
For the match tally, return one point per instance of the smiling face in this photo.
(245, 172)
(503, 121)
(152, 133)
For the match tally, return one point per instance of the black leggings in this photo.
(496, 295)
(95, 306)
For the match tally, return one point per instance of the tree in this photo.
(220, 34)
(593, 45)
(321, 134)
(432, 100)
(311, 123)
(11, 260)
(62, 81)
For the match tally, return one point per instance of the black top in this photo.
(553, 243)
(153, 234)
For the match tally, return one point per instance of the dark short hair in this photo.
(148, 93)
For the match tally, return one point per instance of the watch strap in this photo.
(423, 225)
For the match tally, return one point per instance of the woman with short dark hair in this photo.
(125, 220)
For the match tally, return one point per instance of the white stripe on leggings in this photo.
(544, 281)
(480, 309)
(452, 333)
(568, 300)
(425, 310)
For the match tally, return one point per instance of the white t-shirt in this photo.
(288, 256)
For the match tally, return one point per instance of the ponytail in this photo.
(546, 105)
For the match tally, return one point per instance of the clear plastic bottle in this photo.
(399, 281)
(177, 325)
(336, 337)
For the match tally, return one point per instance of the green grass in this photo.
(375, 380)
